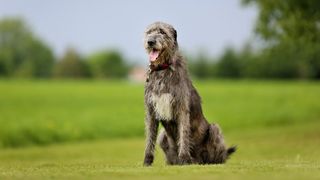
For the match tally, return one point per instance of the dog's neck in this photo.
(159, 67)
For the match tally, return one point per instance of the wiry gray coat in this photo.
(172, 100)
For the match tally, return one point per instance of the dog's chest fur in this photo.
(162, 105)
(160, 97)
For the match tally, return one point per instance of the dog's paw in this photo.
(185, 159)
(148, 160)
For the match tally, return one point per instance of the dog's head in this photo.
(160, 42)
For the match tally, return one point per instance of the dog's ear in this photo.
(174, 32)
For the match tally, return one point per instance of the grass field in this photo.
(279, 153)
(90, 130)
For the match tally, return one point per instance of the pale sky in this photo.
(209, 25)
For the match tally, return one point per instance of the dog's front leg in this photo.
(151, 135)
(184, 138)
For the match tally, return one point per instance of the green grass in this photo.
(45, 112)
(94, 130)
(275, 153)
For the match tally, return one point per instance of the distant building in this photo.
(137, 74)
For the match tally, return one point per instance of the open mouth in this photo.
(153, 55)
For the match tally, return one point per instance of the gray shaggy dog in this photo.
(171, 99)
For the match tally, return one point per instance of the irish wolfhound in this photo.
(171, 99)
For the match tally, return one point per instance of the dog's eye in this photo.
(162, 31)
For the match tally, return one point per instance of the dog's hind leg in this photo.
(217, 152)
(169, 148)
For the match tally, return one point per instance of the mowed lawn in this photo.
(280, 153)
(94, 129)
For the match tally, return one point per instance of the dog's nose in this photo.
(151, 42)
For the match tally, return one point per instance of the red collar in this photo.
(159, 67)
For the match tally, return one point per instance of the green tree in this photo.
(292, 31)
(21, 53)
(228, 65)
(200, 65)
(291, 19)
(249, 62)
(108, 64)
(71, 65)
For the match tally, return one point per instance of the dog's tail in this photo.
(231, 150)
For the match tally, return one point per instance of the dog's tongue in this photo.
(153, 55)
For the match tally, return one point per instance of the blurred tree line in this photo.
(288, 34)
(22, 54)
